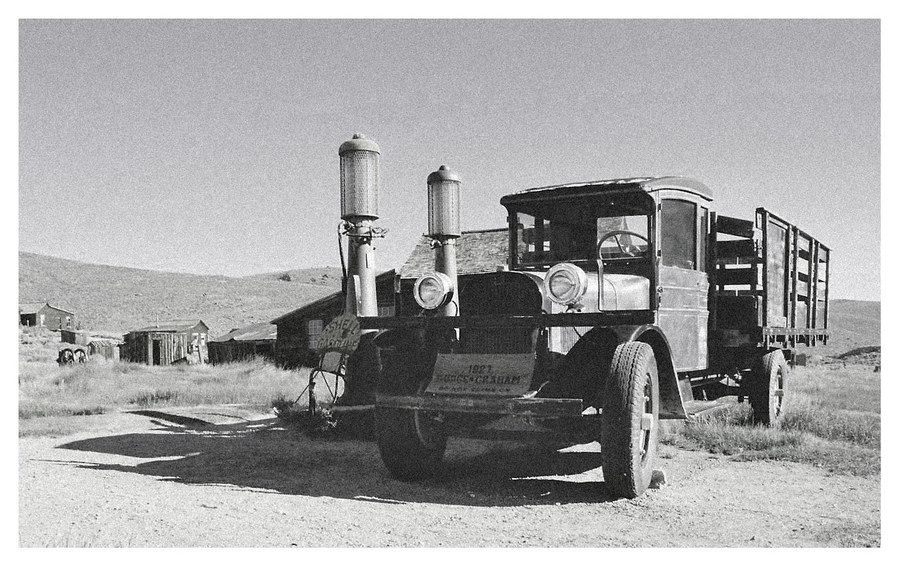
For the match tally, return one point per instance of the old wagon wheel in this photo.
(65, 357)
(80, 357)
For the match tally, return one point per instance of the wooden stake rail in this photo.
(770, 276)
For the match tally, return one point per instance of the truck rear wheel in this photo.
(767, 388)
(629, 432)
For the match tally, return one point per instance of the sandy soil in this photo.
(230, 478)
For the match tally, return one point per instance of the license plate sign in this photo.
(482, 374)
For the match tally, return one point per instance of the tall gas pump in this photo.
(438, 290)
(359, 159)
(359, 210)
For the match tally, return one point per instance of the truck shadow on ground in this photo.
(262, 455)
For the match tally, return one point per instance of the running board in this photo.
(700, 408)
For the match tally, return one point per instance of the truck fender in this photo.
(402, 360)
(672, 394)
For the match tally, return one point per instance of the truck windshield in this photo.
(542, 241)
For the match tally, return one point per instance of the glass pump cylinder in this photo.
(443, 227)
(443, 203)
(359, 178)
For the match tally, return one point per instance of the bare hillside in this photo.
(110, 298)
(853, 324)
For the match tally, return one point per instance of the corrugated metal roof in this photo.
(477, 252)
(256, 332)
(174, 326)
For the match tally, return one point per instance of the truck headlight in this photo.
(565, 283)
(433, 290)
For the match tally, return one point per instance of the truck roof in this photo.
(648, 184)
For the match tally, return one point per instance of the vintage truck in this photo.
(624, 302)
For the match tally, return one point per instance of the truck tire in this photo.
(411, 444)
(767, 388)
(629, 432)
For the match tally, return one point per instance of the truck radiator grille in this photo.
(500, 293)
(496, 341)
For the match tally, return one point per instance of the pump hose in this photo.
(343, 264)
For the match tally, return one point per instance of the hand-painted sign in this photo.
(482, 374)
(340, 335)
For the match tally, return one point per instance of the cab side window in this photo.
(678, 233)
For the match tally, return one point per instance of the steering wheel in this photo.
(632, 252)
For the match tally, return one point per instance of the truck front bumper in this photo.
(521, 407)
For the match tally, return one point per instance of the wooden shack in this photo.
(106, 348)
(298, 331)
(45, 315)
(74, 337)
(244, 343)
(168, 342)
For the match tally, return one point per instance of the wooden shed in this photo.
(107, 348)
(244, 343)
(298, 331)
(74, 337)
(167, 343)
(45, 315)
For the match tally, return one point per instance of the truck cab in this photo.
(643, 243)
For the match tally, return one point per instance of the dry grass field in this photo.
(49, 394)
(823, 424)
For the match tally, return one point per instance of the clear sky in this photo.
(211, 146)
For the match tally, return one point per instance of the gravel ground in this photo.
(230, 478)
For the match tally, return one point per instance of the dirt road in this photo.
(241, 480)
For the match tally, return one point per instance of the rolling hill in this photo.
(116, 299)
(853, 324)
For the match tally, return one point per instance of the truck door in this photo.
(683, 283)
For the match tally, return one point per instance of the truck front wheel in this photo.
(767, 387)
(411, 443)
(629, 428)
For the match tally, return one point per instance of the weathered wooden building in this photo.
(477, 252)
(106, 348)
(45, 315)
(244, 343)
(74, 337)
(298, 331)
(167, 343)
